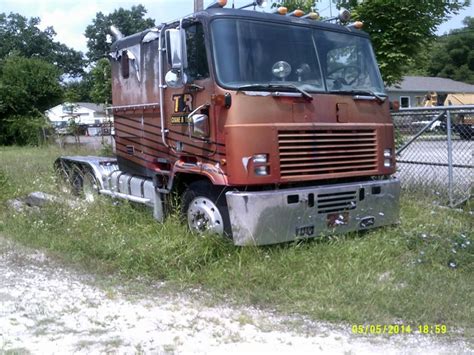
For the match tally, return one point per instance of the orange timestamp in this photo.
(395, 329)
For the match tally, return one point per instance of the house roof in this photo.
(91, 106)
(427, 84)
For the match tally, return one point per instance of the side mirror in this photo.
(198, 123)
(177, 58)
(175, 79)
(199, 126)
(176, 48)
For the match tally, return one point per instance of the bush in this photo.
(24, 130)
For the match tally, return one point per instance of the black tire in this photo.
(200, 215)
(84, 183)
(64, 177)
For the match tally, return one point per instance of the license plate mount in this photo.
(337, 219)
(305, 231)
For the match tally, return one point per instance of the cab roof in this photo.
(211, 14)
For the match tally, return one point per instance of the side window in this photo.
(125, 65)
(404, 101)
(196, 48)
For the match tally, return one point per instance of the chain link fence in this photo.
(435, 148)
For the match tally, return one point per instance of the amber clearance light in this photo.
(296, 13)
(357, 25)
(218, 3)
(281, 10)
(312, 16)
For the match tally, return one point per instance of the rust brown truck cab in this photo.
(270, 127)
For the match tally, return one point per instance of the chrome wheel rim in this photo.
(89, 188)
(204, 216)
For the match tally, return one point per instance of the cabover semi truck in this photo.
(270, 127)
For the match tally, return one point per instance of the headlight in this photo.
(261, 170)
(260, 158)
(387, 163)
(387, 153)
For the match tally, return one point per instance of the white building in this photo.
(84, 113)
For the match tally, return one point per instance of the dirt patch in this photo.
(50, 308)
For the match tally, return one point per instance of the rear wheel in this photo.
(64, 177)
(90, 186)
(204, 208)
(77, 180)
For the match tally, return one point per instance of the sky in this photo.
(70, 17)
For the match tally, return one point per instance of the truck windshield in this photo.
(251, 54)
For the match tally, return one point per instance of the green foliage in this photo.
(106, 150)
(79, 90)
(101, 76)
(291, 5)
(24, 130)
(5, 185)
(22, 37)
(127, 21)
(28, 86)
(452, 55)
(400, 28)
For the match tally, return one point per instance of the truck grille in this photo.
(326, 152)
(337, 202)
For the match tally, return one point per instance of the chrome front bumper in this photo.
(278, 216)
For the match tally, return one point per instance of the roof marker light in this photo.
(296, 13)
(357, 25)
(218, 3)
(311, 16)
(280, 11)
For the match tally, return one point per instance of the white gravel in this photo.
(47, 308)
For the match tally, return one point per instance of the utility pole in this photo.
(198, 5)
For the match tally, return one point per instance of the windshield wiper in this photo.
(282, 86)
(380, 99)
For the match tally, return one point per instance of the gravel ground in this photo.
(49, 308)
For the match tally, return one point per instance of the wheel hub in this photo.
(204, 216)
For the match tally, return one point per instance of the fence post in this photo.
(450, 159)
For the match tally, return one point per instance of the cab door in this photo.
(196, 93)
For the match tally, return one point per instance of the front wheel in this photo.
(205, 209)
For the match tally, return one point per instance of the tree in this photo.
(21, 36)
(101, 92)
(79, 90)
(398, 28)
(305, 5)
(127, 21)
(28, 86)
(452, 56)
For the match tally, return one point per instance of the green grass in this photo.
(418, 272)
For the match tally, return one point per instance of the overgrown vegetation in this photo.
(419, 272)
